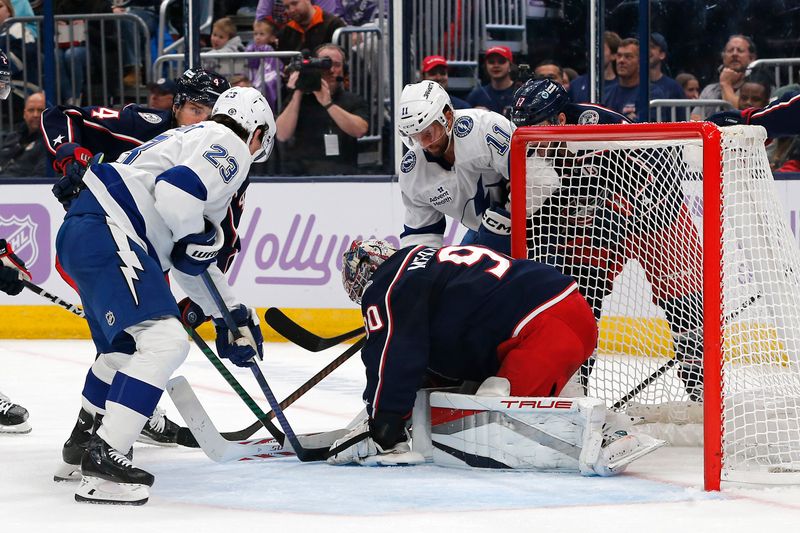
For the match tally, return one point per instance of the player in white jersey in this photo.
(457, 165)
(158, 208)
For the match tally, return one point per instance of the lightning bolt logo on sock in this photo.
(129, 260)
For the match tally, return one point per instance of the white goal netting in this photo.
(626, 217)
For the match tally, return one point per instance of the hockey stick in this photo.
(185, 436)
(72, 308)
(304, 454)
(221, 450)
(660, 371)
(299, 335)
(234, 383)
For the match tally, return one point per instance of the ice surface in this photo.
(662, 492)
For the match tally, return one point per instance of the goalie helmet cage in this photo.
(674, 230)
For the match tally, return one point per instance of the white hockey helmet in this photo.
(248, 107)
(421, 104)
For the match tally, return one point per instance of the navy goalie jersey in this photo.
(445, 310)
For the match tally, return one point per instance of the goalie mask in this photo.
(421, 106)
(360, 262)
(5, 76)
(538, 101)
(248, 108)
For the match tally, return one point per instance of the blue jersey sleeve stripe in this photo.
(122, 196)
(186, 180)
(437, 227)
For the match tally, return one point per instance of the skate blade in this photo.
(101, 491)
(18, 429)
(143, 439)
(631, 457)
(67, 473)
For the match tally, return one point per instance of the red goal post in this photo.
(745, 437)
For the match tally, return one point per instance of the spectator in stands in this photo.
(622, 96)
(498, 94)
(162, 94)
(224, 41)
(320, 128)
(549, 69)
(147, 10)
(309, 26)
(435, 68)
(273, 10)
(569, 75)
(739, 52)
(19, 43)
(265, 73)
(579, 88)
(755, 90)
(23, 8)
(23, 154)
(658, 54)
(689, 84)
(360, 12)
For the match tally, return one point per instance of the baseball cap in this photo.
(163, 85)
(503, 51)
(432, 62)
(659, 40)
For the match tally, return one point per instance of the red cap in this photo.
(504, 51)
(433, 61)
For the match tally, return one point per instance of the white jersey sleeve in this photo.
(487, 143)
(423, 223)
(210, 164)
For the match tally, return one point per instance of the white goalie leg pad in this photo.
(545, 434)
(97, 490)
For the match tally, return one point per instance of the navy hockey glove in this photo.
(241, 352)
(192, 314)
(194, 253)
(495, 230)
(71, 162)
(12, 270)
(727, 118)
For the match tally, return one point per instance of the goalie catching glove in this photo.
(240, 351)
(12, 270)
(368, 446)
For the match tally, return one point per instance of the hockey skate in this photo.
(109, 477)
(159, 430)
(621, 448)
(13, 417)
(72, 452)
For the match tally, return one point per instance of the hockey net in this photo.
(677, 239)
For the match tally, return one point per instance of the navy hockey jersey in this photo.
(781, 118)
(445, 310)
(114, 132)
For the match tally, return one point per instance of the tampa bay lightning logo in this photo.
(409, 160)
(463, 126)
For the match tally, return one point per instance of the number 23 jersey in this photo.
(431, 188)
(446, 310)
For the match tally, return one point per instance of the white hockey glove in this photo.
(365, 451)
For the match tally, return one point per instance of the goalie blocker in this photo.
(525, 433)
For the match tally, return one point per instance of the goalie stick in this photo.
(221, 450)
(185, 437)
(304, 454)
(299, 335)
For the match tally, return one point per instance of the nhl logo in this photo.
(20, 232)
(191, 317)
(110, 318)
(231, 111)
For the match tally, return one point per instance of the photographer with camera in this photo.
(323, 140)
